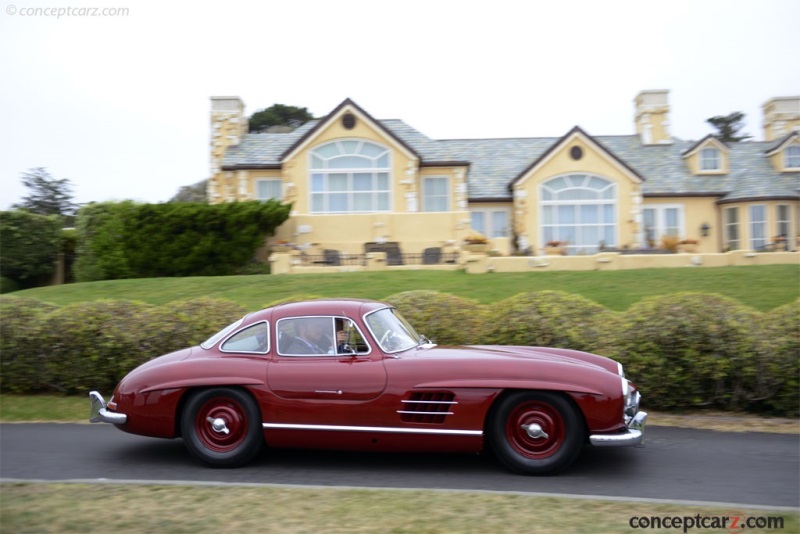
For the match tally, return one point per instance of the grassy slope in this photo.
(761, 287)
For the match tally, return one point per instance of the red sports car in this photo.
(354, 375)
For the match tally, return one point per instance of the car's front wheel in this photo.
(536, 432)
(222, 426)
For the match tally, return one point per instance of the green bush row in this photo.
(92, 345)
(683, 351)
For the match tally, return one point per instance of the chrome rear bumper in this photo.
(99, 413)
(632, 436)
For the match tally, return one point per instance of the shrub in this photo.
(30, 246)
(188, 239)
(127, 240)
(100, 249)
(7, 285)
(91, 345)
(186, 323)
(444, 319)
(20, 343)
(690, 349)
(778, 363)
(549, 319)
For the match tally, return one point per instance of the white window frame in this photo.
(272, 182)
(555, 230)
(710, 159)
(428, 199)
(783, 220)
(791, 157)
(733, 237)
(662, 227)
(489, 227)
(758, 226)
(322, 169)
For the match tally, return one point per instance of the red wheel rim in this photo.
(547, 418)
(211, 415)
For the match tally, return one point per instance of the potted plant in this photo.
(670, 243)
(476, 242)
(282, 246)
(555, 248)
(689, 245)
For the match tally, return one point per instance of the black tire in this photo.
(551, 447)
(230, 409)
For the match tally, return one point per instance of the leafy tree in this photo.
(728, 127)
(279, 115)
(191, 193)
(47, 195)
(30, 246)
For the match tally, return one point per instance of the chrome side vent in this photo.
(427, 407)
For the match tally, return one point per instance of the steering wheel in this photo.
(385, 338)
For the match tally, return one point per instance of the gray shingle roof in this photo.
(494, 163)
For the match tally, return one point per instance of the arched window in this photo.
(349, 176)
(579, 210)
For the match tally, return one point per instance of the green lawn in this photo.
(80, 508)
(761, 287)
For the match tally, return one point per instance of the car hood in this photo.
(494, 353)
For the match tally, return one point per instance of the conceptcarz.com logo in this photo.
(732, 522)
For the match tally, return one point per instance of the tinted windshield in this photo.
(391, 331)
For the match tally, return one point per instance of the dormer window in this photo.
(792, 157)
(709, 159)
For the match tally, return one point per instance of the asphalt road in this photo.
(677, 464)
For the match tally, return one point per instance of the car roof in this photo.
(339, 306)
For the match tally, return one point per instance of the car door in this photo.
(354, 372)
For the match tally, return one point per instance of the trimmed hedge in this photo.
(444, 319)
(550, 319)
(92, 345)
(686, 350)
(691, 349)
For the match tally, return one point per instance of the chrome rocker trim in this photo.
(631, 437)
(444, 432)
(98, 412)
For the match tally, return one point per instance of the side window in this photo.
(254, 338)
(349, 338)
(305, 336)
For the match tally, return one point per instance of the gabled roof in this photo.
(346, 104)
(575, 131)
(494, 163)
(780, 143)
(705, 140)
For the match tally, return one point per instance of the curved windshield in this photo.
(391, 331)
(210, 342)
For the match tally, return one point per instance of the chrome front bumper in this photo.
(98, 411)
(632, 436)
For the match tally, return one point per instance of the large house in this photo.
(356, 181)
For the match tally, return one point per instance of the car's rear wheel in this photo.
(222, 426)
(536, 432)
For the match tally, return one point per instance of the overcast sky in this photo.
(120, 104)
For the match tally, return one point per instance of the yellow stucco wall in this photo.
(560, 163)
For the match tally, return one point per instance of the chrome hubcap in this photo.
(535, 431)
(218, 425)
